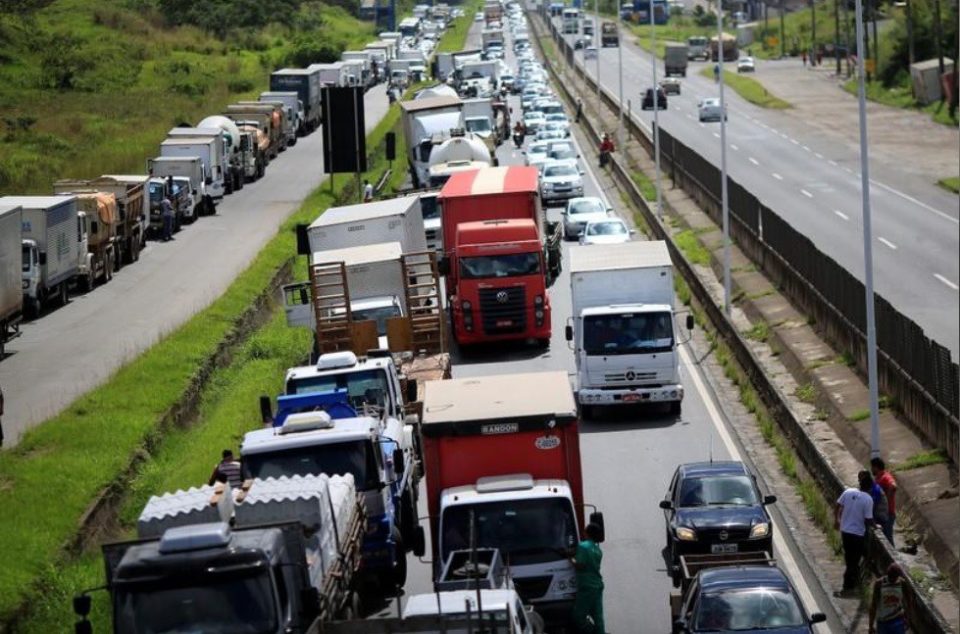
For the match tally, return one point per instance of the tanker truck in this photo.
(465, 151)
(235, 147)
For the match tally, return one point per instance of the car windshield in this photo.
(557, 116)
(538, 148)
(711, 103)
(748, 610)
(525, 531)
(560, 170)
(726, 490)
(563, 152)
(478, 125)
(586, 206)
(366, 387)
(355, 457)
(642, 333)
(233, 601)
(507, 265)
(379, 314)
(606, 229)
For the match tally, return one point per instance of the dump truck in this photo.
(97, 219)
(609, 34)
(265, 121)
(133, 222)
(11, 284)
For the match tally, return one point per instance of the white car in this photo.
(549, 132)
(559, 182)
(559, 119)
(563, 153)
(537, 151)
(746, 65)
(709, 110)
(539, 162)
(478, 16)
(579, 212)
(607, 231)
(533, 120)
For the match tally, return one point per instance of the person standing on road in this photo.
(227, 470)
(803, 55)
(606, 148)
(888, 483)
(588, 606)
(889, 602)
(367, 191)
(852, 515)
(579, 111)
(166, 214)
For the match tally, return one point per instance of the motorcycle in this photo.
(518, 139)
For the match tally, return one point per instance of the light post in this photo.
(596, 17)
(656, 110)
(620, 135)
(721, 48)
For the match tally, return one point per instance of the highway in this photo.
(73, 349)
(812, 180)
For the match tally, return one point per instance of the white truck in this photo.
(481, 119)
(623, 332)
(222, 147)
(417, 62)
(11, 283)
(362, 57)
(459, 153)
(491, 37)
(191, 167)
(355, 73)
(332, 74)
(240, 147)
(210, 153)
(52, 248)
(391, 220)
(427, 123)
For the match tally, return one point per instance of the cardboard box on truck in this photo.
(306, 83)
(130, 191)
(98, 219)
(11, 284)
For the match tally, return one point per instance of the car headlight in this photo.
(685, 534)
(760, 530)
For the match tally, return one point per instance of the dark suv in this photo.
(648, 99)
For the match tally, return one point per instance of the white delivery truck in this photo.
(330, 74)
(393, 220)
(363, 58)
(207, 150)
(426, 123)
(191, 167)
(52, 247)
(623, 331)
(11, 283)
(354, 73)
(222, 145)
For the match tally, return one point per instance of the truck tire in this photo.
(87, 282)
(118, 259)
(32, 307)
(135, 249)
(408, 517)
(64, 295)
(108, 268)
(676, 407)
(398, 574)
(543, 343)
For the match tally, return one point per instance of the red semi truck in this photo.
(500, 255)
(502, 459)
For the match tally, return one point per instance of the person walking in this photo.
(852, 515)
(588, 605)
(1, 416)
(606, 148)
(579, 111)
(803, 54)
(166, 215)
(227, 470)
(889, 602)
(367, 191)
(888, 483)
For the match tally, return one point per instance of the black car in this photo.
(582, 42)
(648, 99)
(743, 599)
(714, 508)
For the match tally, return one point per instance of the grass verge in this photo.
(646, 186)
(456, 36)
(901, 96)
(750, 89)
(950, 184)
(923, 459)
(687, 242)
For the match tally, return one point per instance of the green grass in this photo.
(687, 242)
(455, 37)
(806, 392)
(923, 459)
(901, 96)
(750, 89)
(677, 30)
(950, 184)
(94, 438)
(647, 187)
(759, 332)
(859, 415)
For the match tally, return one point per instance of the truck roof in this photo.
(366, 211)
(455, 601)
(504, 488)
(429, 103)
(270, 440)
(194, 132)
(363, 254)
(497, 231)
(36, 202)
(188, 141)
(529, 400)
(293, 71)
(6, 208)
(342, 364)
(628, 255)
(492, 180)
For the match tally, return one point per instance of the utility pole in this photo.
(851, 45)
(656, 110)
(836, 33)
(813, 29)
(782, 42)
(938, 35)
(911, 54)
(724, 204)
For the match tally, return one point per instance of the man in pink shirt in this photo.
(889, 485)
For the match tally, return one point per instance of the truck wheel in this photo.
(108, 268)
(398, 575)
(543, 343)
(135, 250)
(87, 282)
(408, 518)
(118, 260)
(63, 294)
(32, 307)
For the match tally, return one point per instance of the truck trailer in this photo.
(133, 222)
(11, 284)
(306, 83)
(426, 123)
(675, 59)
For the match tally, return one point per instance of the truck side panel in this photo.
(55, 231)
(11, 295)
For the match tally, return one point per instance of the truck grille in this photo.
(532, 587)
(634, 378)
(503, 310)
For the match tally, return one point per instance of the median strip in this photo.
(750, 89)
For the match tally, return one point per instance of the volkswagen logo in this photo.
(724, 535)
(502, 297)
(630, 376)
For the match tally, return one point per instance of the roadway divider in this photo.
(924, 617)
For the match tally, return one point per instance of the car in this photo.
(607, 231)
(537, 150)
(549, 106)
(559, 121)
(746, 65)
(563, 152)
(588, 27)
(549, 132)
(539, 162)
(580, 211)
(559, 182)
(647, 103)
(670, 86)
(709, 110)
(716, 508)
(582, 42)
(533, 120)
(478, 16)
(743, 598)
(590, 52)
(507, 81)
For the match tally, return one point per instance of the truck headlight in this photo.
(466, 305)
(760, 530)
(685, 534)
(538, 300)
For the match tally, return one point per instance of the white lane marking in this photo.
(794, 141)
(886, 242)
(701, 125)
(946, 281)
(841, 214)
(783, 136)
(716, 134)
(833, 163)
(806, 193)
(690, 116)
(777, 176)
(807, 148)
(818, 155)
(732, 146)
(783, 555)
(754, 161)
(943, 215)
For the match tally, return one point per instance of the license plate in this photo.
(504, 322)
(631, 398)
(721, 549)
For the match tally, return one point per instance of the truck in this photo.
(426, 124)
(97, 220)
(730, 50)
(503, 452)
(282, 112)
(609, 34)
(306, 83)
(492, 12)
(622, 327)
(129, 191)
(318, 431)
(698, 47)
(220, 162)
(293, 110)
(487, 119)
(198, 203)
(417, 62)
(460, 153)
(570, 21)
(390, 220)
(385, 50)
(209, 151)
(277, 556)
(332, 74)
(675, 59)
(280, 130)
(355, 74)
(265, 121)
(363, 57)
(51, 247)
(500, 255)
(240, 147)
(471, 71)
(445, 65)
(491, 37)
(11, 283)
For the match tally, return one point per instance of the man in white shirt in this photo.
(852, 515)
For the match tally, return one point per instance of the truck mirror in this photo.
(411, 391)
(208, 180)
(666, 505)
(419, 542)
(568, 333)
(81, 605)
(769, 499)
(303, 241)
(443, 266)
(597, 518)
(689, 322)
(266, 410)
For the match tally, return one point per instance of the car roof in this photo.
(701, 469)
(721, 579)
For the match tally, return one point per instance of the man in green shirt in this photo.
(588, 606)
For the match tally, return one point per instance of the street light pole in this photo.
(596, 17)
(656, 111)
(723, 161)
(867, 245)
(620, 135)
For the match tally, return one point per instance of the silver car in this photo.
(709, 110)
(559, 182)
(606, 231)
(579, 212)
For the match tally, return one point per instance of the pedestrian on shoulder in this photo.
(852, 516)
(889, 603)
(588, 606)
(803, 54)
(888, 483)
(367, 191)
(166, 214)
(579, 111)
(227, 470)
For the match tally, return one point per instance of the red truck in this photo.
(502, 460)
(500, 255)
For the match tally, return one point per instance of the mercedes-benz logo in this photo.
(724, 535)
(630, 376)
(502, 297)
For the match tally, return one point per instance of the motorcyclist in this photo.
(606, 147)
(519, 132)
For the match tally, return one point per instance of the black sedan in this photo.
(743, 599)
(647, 103)
(714, 508)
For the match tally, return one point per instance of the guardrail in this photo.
(924, 617)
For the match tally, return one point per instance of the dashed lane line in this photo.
(777, 176)
(841, 214)
(806, 193)
(887, 243)
(734, 147)
(946, 281)
(754, 161)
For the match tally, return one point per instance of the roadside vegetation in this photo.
(750, 89)
(950, 184)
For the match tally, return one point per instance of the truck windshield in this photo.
(525, 531)
(478, 125)
(156, 192)
(234, 602)
(25, 259)
(366, 387)
(429, 207)
(354, 457)
(507, 265)
(642, 333)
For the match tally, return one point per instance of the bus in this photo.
(571, 21)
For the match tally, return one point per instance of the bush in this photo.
(309, 49)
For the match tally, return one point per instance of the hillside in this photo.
(91, 86)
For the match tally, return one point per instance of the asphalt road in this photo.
(73, 349)
(627, 461)
(812, 179)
